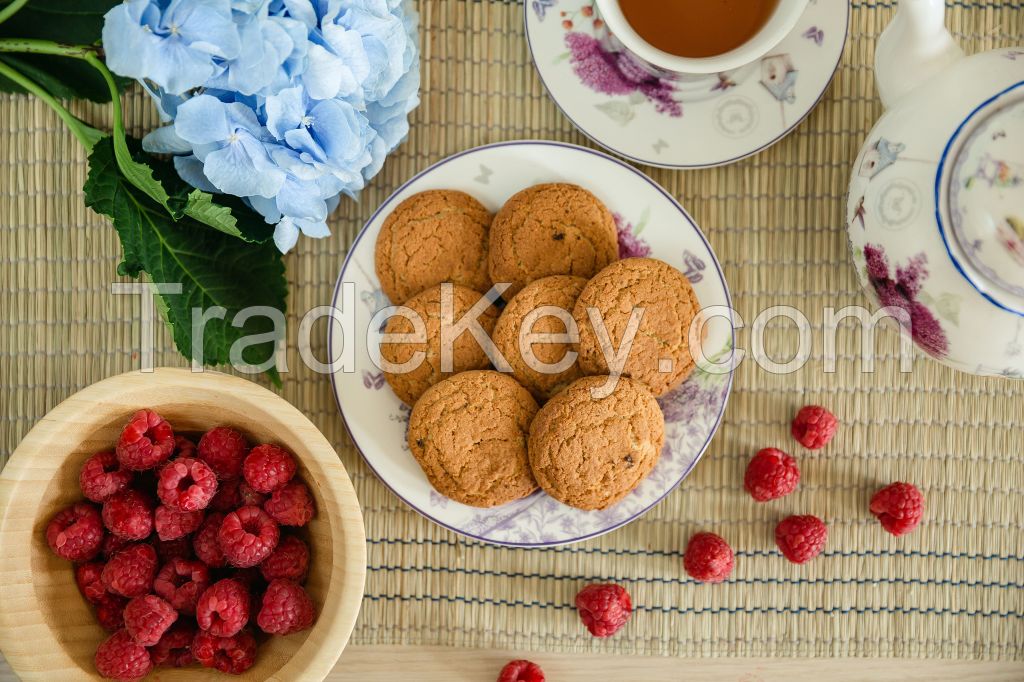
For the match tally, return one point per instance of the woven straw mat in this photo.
(951, 589)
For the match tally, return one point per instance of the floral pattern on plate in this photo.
(657, 121)
(650, 223)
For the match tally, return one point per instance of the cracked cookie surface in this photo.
(469, 434)
(552, 229)
(467, 354)
(589, 453)
(660, 354)
(432, 237)
(559, 291)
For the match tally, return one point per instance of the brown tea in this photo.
(697, 28)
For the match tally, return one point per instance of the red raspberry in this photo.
(148, 618)
(120, 658)
(708, 558)
(112, 544)
(604, 608)
(184, 447)
(206, 544)
(814, 426)
(186, 484)
(174, 524)
(267, 468)
(234, 494)
(224, 450)
(289, 561)
(175, 647)
(801, 538)
(286, 608)
(102, 476)
(898, 507)
(232, 655)
(129, 514)
(110, 612)
(166, 550)
(223, 609)
(521, 671)
(130, 572)
(248, 536)
(770, 475)
(146, 441)
(89, 584)
(181, 582)
(76, 533)
(291, 505)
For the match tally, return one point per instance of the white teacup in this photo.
(622, 36)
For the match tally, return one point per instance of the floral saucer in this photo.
(662, 123)
(650, 223)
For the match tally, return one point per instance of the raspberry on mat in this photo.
(708, 558)
(604, 608)
(248, 536)
(76, 533)
(801, 538)
(129, 514)
(814, 426)
(223, 609)
(102, 476)
(224, 450)
(148, 618)
(771, 474)
(121, 658)
(268, 467)
(899, 507)
(521, 671)
(286, 608)
(233, 655)
(146, 441)
(186, 484)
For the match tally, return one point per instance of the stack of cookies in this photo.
(558, 390)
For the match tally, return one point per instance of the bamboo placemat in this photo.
(952, 589)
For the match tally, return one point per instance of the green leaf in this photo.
(65, 21)
(214, 268)
(221, 212)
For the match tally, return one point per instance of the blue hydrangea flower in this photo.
(286, 103)
(175, 44)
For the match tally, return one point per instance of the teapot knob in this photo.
(913, 48)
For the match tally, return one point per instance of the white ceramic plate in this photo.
(658, 123)
(650, 223)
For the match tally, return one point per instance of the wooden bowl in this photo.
(48, 632)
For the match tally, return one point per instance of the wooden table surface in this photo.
(443, 664)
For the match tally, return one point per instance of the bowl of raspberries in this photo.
(177, 525)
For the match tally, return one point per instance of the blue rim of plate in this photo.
(655, 185)
(691, 166)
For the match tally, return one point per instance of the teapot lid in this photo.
(980, 185)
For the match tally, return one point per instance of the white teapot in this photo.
(935, 211)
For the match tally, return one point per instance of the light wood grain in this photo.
(442, 664)
(47, 631)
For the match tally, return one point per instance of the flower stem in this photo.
(34, 46)
(11, 9)
(86, 134)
